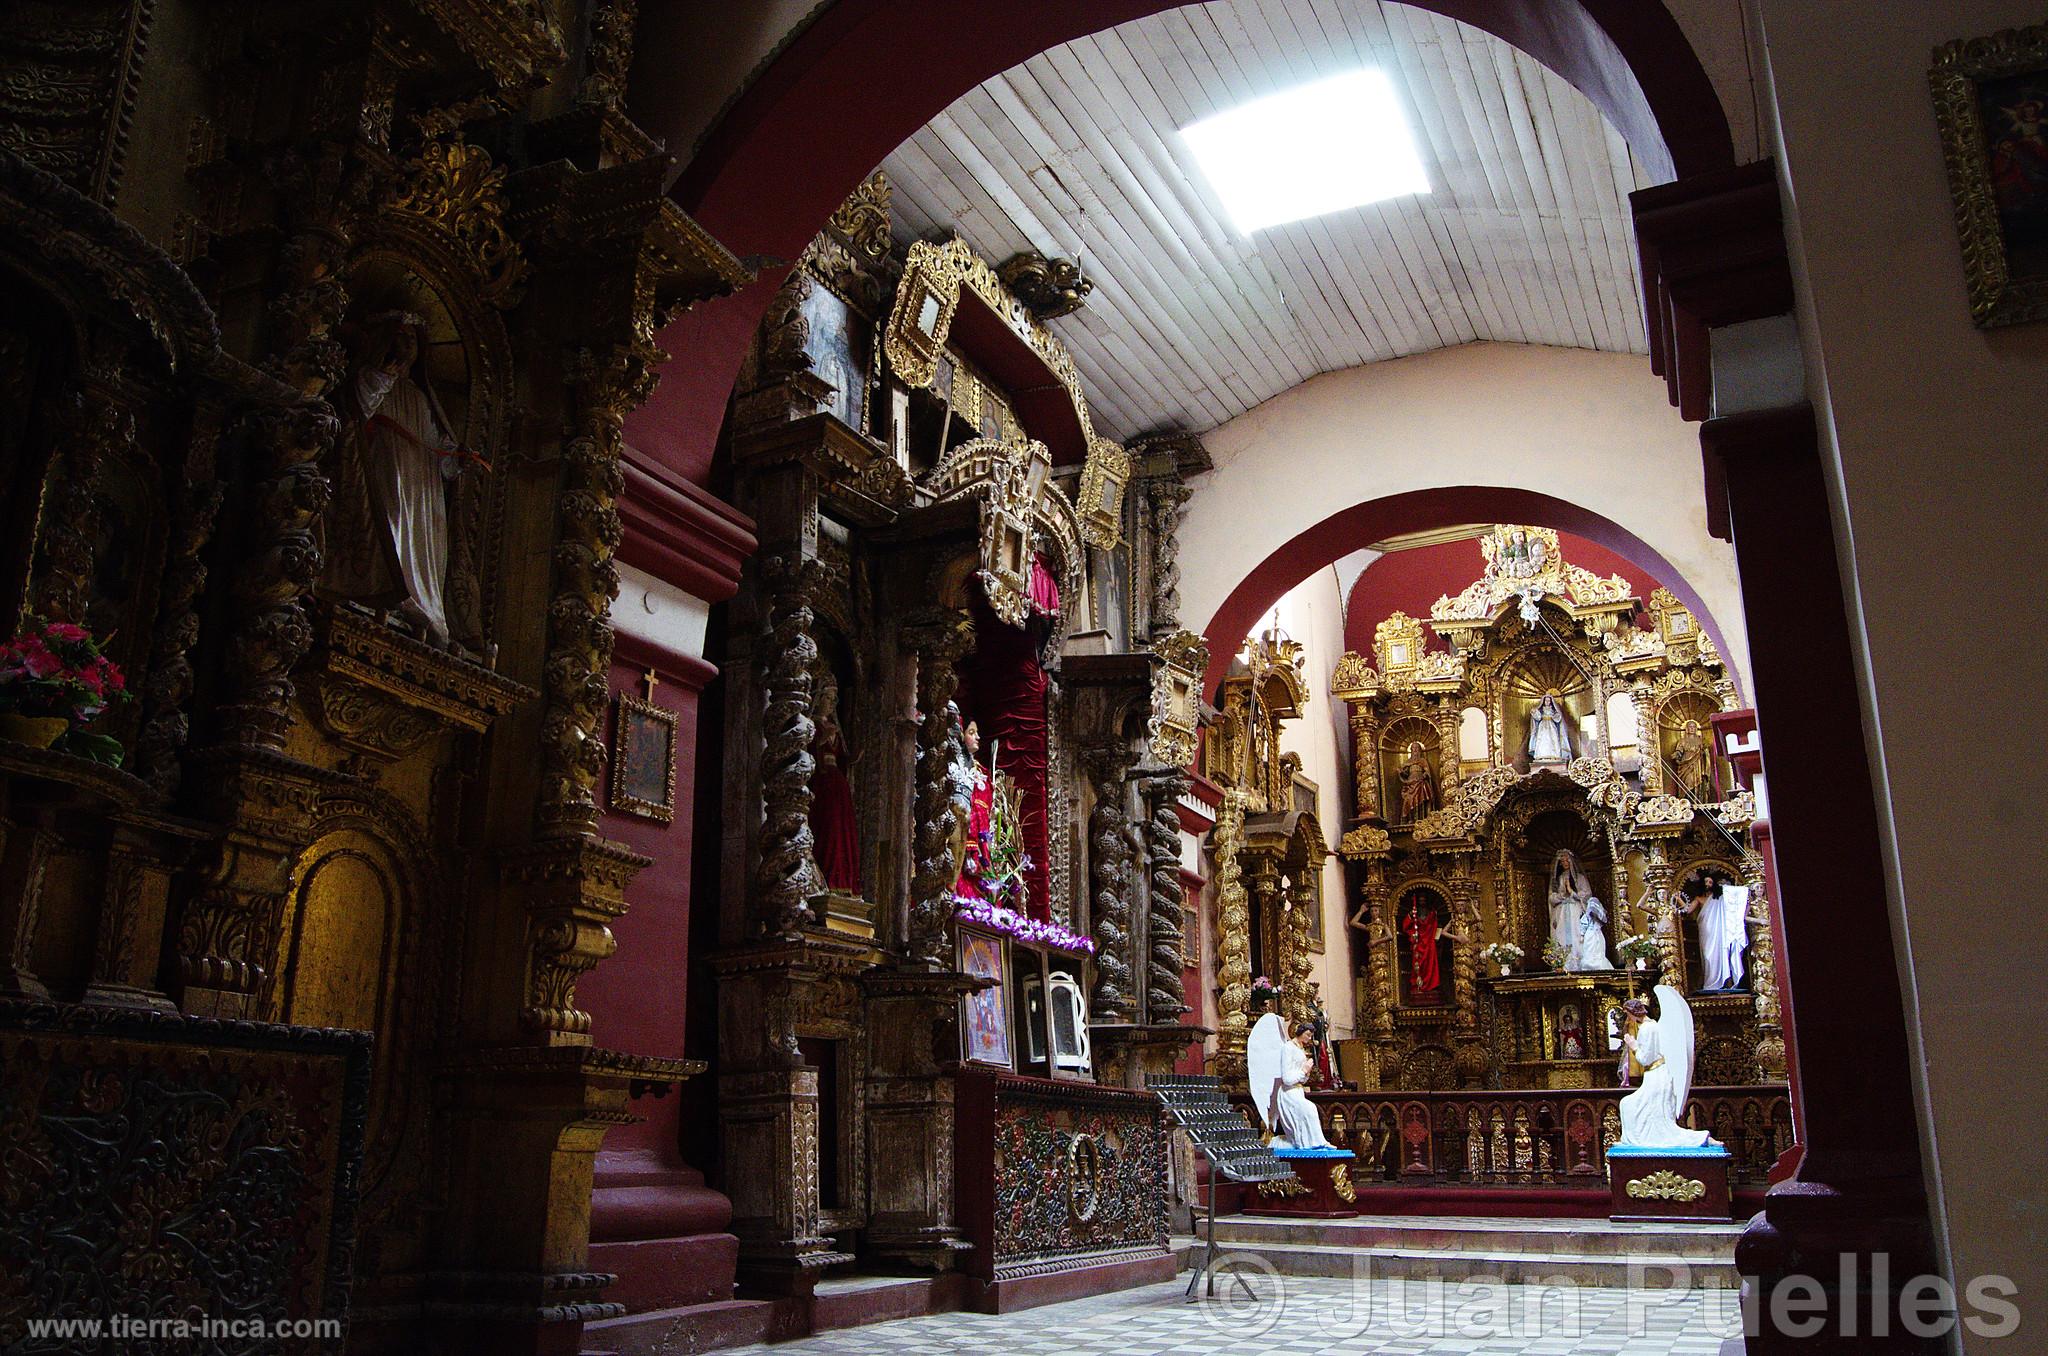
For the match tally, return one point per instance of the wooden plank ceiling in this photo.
(1524, 238)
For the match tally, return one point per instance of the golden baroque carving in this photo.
(1340, 1179)
(1176, 697)
(863, 219)
(1101, 503)
(457, 188)
(1354, 678)
(1667, 1186)
(1367, 840)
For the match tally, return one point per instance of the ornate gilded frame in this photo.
(1959, 68)
(922, 316)
(629, 710)
(1100, 502)
(998, 993)
(1177, 697)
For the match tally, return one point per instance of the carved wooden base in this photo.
(1322, 1189)
(909, 1108)
(1668, 1184)
(1126, 1054)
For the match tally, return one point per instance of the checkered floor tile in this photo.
(1301, 1315)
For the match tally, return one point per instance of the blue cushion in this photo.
(1312, 1153)
(1645, 1151)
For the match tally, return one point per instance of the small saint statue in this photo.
(979, 830)
(1549, 736)
(1418, 784)
(1689, 761)
(1722, 913)
(1425, 974)
(387, 537)
(833, 822)
(1657, 1054)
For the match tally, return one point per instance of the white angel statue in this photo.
(1279, 1070)
(1658, 1051)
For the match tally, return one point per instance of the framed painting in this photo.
(985, 1014)
(1991, 104)
(644, 760)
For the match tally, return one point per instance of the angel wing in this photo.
(1265, 1057)
(1674, 1036)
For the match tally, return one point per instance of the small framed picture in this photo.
(985, 1015)
(1991, 104)
(644, 760)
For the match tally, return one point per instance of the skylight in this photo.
(1314, 149)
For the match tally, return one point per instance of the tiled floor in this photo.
(1303, 1316)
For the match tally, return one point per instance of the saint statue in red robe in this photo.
(974, 861)
(1424, 977)
(833, 825)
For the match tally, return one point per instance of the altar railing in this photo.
(1533, 1138)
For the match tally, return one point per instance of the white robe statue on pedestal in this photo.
(1724, 935)
(1661, 1048)
(1278, 1070)
(1549, 737)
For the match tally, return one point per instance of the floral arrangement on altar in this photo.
(1637, 949)
(1003, 877)
(1504, 954)
(1264, 991)
(54, 683)
(996, 918)
(1554, 954)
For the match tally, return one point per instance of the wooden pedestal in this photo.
(1322, 1189)
(1668, 1184)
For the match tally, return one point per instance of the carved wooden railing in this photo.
(1533, 1138)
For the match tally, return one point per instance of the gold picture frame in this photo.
(1991, 106)
(643, 774)
(922, 316)
(1101, 498)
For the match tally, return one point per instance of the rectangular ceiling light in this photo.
(1317, 148)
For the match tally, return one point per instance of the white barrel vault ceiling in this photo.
(1525, 237)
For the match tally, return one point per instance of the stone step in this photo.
(1518, 1252)
(1704, 1243)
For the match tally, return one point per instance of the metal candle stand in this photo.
(1233, 1148)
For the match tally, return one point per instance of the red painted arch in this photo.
(865, 75)
(1421, 511)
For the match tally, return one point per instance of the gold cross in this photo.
(652, 683)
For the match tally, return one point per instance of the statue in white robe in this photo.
(387, 537)
(1658, 1052)
(1549, 737)
(1589, 952)
(1722, 913)
(1278, 1068)
(1568, 893)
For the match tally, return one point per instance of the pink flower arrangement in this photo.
(996, 918)
(57, 669)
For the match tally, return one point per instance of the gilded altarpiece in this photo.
(1593, 784)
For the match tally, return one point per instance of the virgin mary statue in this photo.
(1660, 1051)
(1549, 739)
(1279, 1071)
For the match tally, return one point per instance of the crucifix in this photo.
(651, 683)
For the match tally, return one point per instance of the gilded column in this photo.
(941, 811)
(786, 880)
(1165, 991)
(1365, 760)
(1303, 896)
(607, 384)
(1233, 936)
(1445, 716)
(1468, 1051)
(1115, 998)
(1763, 973)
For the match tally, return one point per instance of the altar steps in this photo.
(1515, 1251)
